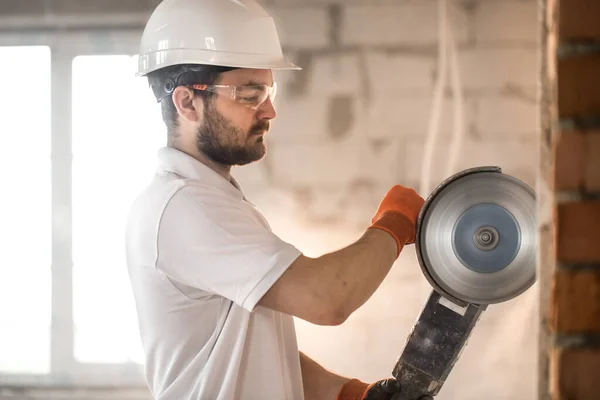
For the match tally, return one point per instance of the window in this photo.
(79, 137)
(94, 167)
(25, 210)
(117, 130)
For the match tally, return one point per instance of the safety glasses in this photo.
(252, 96)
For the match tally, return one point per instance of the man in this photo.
(215, 289)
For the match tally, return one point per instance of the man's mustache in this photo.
(259, 127)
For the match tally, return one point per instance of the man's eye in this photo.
(248, 99)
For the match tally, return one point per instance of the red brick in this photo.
(579, 86)
(574, 374)
(576, 301)
(578, 232)
(577, 155)
(569, 156)
(592, 164)
(579, 19)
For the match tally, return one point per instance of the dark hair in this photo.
(165, 80)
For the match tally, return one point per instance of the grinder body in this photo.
(476, 245)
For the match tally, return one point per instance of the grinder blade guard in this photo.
(476, 245)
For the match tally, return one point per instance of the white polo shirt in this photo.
(200, 257)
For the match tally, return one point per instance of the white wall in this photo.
(354, 122)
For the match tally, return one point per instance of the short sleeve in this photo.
(213, 241)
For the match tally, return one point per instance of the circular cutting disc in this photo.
(476, 238)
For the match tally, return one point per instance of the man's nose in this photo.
(267, 110)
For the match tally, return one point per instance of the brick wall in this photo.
(570, 237)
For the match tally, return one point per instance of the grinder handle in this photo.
(433, 346)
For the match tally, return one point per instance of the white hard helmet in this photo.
(229, 33)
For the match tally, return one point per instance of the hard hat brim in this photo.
(154, 61)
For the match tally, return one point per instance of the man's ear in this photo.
(183, 98)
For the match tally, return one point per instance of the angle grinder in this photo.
(476, 245)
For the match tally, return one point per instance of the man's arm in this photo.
(327, 289)
(319, 384)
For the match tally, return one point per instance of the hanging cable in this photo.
(458, 131)
(438, 94)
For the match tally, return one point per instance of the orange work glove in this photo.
(397, 215)
(386, 389)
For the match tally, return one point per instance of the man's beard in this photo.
(226, 144)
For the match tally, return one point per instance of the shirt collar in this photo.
(186, 166)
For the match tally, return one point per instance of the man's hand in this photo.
(386, 389)
(382, 390)
(397, 214)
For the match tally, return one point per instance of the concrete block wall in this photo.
(570, 265)
(353, 122)
(356, 117)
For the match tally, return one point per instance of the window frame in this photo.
(65, 370)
